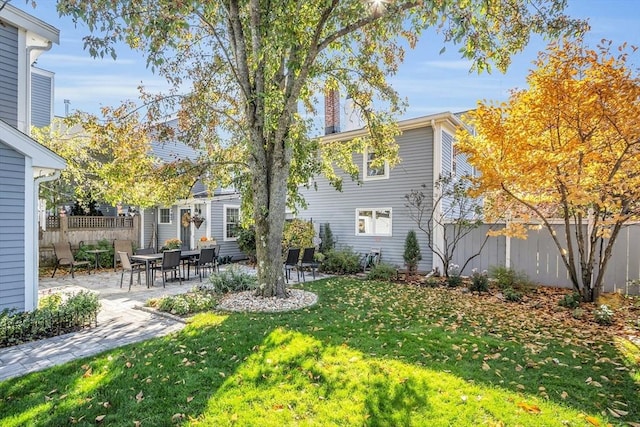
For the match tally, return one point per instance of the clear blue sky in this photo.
(431, 82)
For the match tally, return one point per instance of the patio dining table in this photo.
(150, 259)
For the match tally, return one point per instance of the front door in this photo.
(185, 232)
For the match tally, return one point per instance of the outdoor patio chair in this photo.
(170, 264)
(293, 256)
(64, 257)
(308, 261)
(127, 265)
(206, 260)
(121, 246)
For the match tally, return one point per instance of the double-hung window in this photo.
(373, 222)
(373, 170)
(164, 216)
(231, 222)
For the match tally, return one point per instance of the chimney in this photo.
(331, 111)
(353, 119)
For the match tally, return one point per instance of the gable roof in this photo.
(449, 118)
(44, 161)
(21, 19)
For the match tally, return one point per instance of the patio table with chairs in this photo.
(153, 260)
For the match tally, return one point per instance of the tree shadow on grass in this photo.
(388, 350)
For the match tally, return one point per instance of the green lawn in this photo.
(367, 354)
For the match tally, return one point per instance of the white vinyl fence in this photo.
(538, 257)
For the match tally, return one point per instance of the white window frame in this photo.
(365, 168)
(225, 237)
(160, 209)
(372, 226)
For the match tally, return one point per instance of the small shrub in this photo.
(246, 240)
(512, 295)
(479, 281)
(50, 302)
(453, 276)
(412, 253)
(578, 313)
(454, 281)
(326, 239)
(570, 300)
(57, 316)
(603, 315)
(432, 282)
(382, 271)
(509, 278)
(341, 261)
(233, 279)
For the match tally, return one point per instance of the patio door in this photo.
(185, 232)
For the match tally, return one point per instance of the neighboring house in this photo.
(220, 210)
(371, 212)
(25, 100)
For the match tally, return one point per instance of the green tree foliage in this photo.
(246, 73)
(298, 233)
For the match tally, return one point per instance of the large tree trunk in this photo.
(270, 174)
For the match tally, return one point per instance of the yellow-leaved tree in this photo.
(568, 148)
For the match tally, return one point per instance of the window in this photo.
(373, 222)
(164, 216)
(374, 172)
(231, 222)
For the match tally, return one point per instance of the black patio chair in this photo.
(293, 256)
(170, 264)
(308, 261)
(206, 261)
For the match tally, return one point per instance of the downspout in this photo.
(27, 103)
(437, 232)
(32, 303)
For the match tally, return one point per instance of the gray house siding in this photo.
(326, 205)
(216, 216)
(9, 74)
(227, 248)
(41, 100)
(12, 247)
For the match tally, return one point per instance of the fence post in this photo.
(136, 230)
(64, 226)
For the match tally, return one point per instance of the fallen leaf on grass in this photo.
(617, 412)
(139, 397)
(592, 420)
(533, 409)
(87, 373)
(189, 399)
(99, 418)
